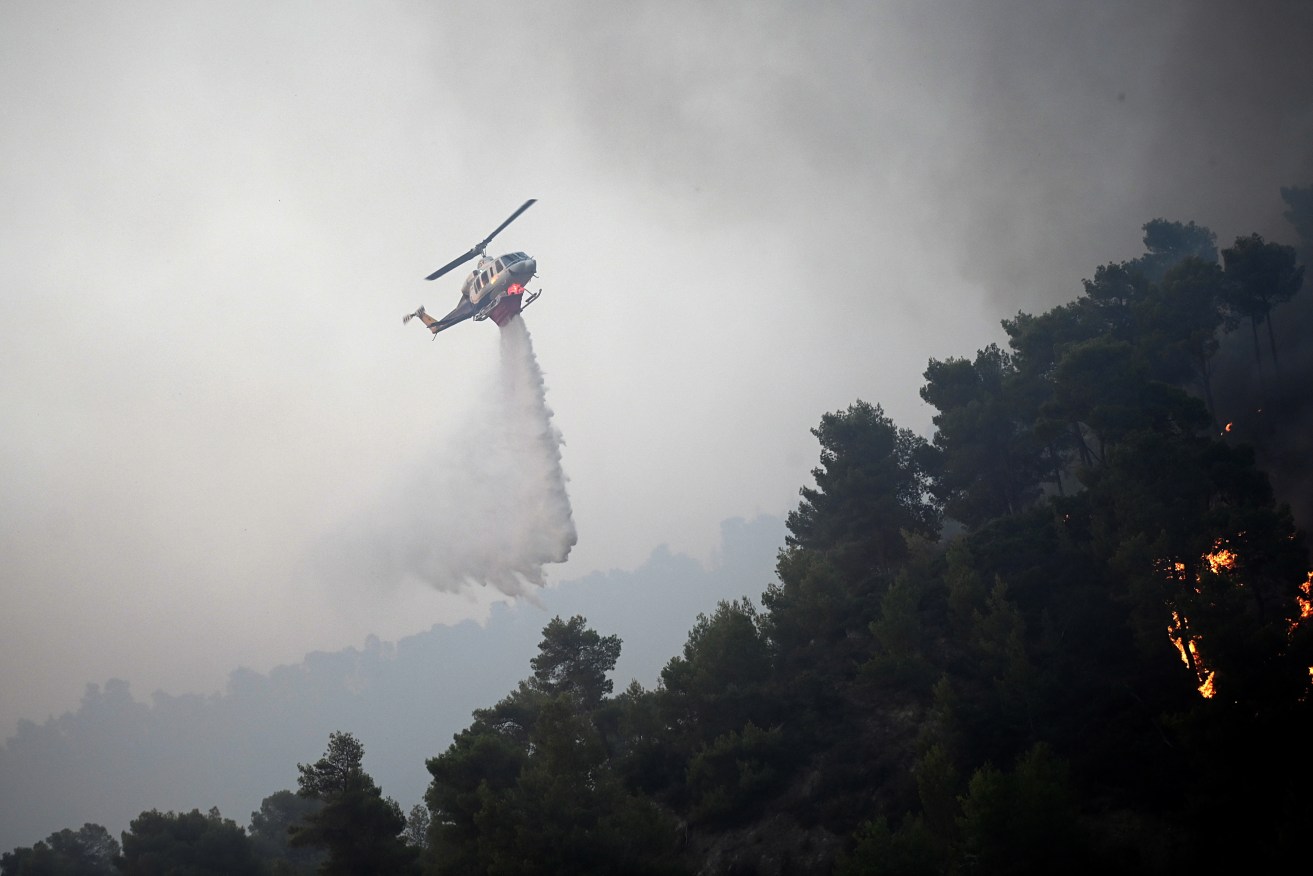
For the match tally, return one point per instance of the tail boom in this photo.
(424, 317)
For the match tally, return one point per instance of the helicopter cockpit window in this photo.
(497, 265)
(514, 257)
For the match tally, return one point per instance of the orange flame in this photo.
(1305, 602)
(1222, 559)
(1187, 645)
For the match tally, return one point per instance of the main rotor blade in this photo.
(516, 215)
(481, 245)
(454, 263)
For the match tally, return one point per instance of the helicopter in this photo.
(494, 289)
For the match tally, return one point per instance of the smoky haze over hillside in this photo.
(1192, 112)
(119, 754)
(1266, 400)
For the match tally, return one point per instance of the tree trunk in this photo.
(1272, 342)
(1206, 381)
(1086, 457)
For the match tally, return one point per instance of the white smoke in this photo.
(487, 508)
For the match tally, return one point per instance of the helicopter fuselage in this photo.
(497, 277)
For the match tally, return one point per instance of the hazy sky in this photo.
(750, 214)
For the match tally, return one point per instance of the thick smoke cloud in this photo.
(1028, 139)
(487, 507)
(1195, 111)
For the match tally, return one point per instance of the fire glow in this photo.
(1188, 645)
(1219, 560)
(1222, 559)
(1305, 601)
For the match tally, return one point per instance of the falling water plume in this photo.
(488, 507)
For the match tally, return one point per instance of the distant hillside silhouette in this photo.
(116, 756)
